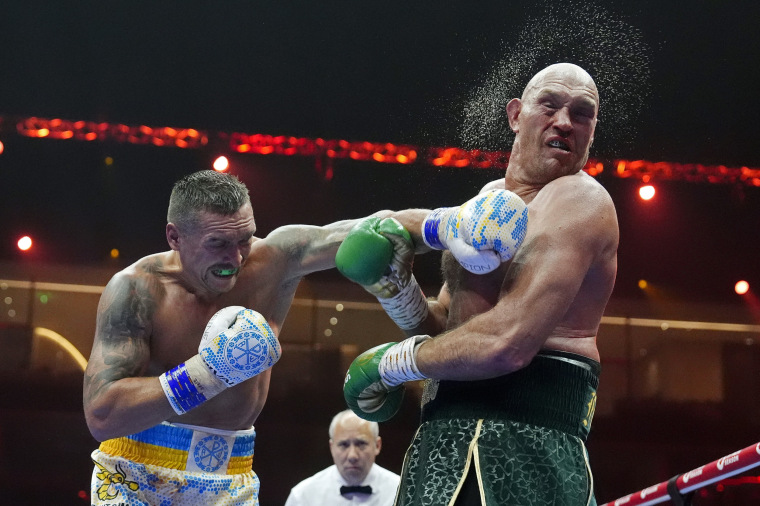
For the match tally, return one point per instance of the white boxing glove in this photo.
(237, 344)
(481, 233)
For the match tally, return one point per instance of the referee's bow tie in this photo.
(356, 489)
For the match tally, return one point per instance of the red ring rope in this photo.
(731, 464)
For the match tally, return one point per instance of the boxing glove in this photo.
(366, 253)
(378, 254)
(236, 345)
(481, 233)
(373, 387)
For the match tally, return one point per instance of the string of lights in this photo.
(380, 152)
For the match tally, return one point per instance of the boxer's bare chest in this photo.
(178, 325)
(181, 317)
(177, 332)
(471, 294)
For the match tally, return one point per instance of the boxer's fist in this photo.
(378, 254)
(238, 348)
(221, 321)
(481, 233)
(236, 345)
(364, 390)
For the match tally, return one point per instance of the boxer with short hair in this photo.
(512, 372)
(184, 343)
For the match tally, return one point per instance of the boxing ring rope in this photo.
(680, 485)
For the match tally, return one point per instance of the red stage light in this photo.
(741, 287)
(188, 138)
(25, 243)
(646, 192)
(221, 164)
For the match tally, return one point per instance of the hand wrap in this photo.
(237, 344)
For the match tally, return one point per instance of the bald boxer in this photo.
(512, 372)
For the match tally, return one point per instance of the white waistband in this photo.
(210, 430)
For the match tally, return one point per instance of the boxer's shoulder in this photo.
(497, 184)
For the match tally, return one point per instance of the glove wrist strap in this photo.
(408, 309)
(398, 364)
(190, 384)
(432, 225)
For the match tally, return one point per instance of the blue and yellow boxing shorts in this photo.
(175, 464)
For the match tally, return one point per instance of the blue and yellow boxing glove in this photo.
(373, 388)
(236, 345)
(378, 254)
(481, 233)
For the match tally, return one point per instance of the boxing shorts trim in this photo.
(556, 390)
(187, 448)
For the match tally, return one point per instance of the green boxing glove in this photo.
(366, 253)
(373, 388)
(378, 254)
(364, 390)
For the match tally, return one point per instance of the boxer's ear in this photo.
(514, 107)
(172, 236)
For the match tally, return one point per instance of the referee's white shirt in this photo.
(323, 489)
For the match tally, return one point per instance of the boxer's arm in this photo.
(117, 399)
(412, 220)
(570, 242)
(497, 184)
(373, 387)
(437, 317)
(307, 248)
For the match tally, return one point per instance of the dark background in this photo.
(386, 72)
(379, 71)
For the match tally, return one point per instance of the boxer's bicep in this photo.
(121, 348)
(546, 275)
(303, 249)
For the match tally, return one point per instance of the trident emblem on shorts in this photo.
(211, 453)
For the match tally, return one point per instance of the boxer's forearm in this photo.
(412, 220)
(127, 406)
